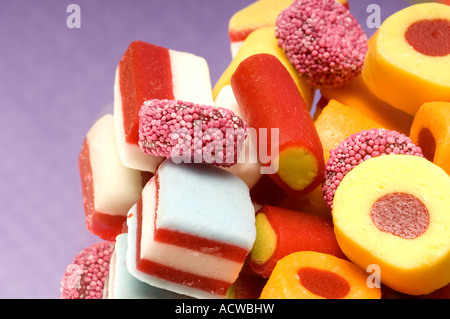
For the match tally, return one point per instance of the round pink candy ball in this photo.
(323, 41)
(85, 277)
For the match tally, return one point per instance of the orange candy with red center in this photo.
(313, 275)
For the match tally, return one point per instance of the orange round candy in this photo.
(431, 131)
(313, 275)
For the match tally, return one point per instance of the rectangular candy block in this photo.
(191, 230)
(145, 72)
(122, 285)
(109, 188)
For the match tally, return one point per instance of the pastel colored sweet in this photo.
(147, 71)
(107, 197)
(191, 231)
(358, 148)
(269, 99)
(85, 277)
(190, 132)
(314, 275)
(280, 232)
(122, 285)
(337, 121)
(431, 132)
(393, 211)
(357, 96)
(408, 59)
(323, 40)
(263, 40)
(261, 13)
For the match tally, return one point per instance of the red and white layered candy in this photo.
(109, 188)
(191, 230)
(147, 72)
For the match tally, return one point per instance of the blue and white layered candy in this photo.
(191, 230)
(122, 285)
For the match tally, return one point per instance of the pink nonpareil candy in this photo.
(190, 132)
(323, 40)
(86, 276)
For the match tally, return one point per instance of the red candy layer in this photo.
(144, 73)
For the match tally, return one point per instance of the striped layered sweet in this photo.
(107, 197)
(191, 230)
(145, 72)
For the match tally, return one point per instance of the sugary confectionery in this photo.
(316, 167)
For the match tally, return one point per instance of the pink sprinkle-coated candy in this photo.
(86, 276)
(191, 132)
(358, 148)
(322, 40)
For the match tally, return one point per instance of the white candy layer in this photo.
(115, 193)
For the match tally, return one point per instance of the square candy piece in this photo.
(147, 72)
(107, 197)
(191, 230)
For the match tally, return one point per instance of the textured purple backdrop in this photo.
(54, 83)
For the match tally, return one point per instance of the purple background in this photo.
(54, 83)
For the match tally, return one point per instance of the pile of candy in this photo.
(242, 191)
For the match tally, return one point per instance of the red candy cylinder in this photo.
(281, 232)
(269, 99)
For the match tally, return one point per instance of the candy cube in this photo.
(146, 72)
(109, 188)
(191, 230)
